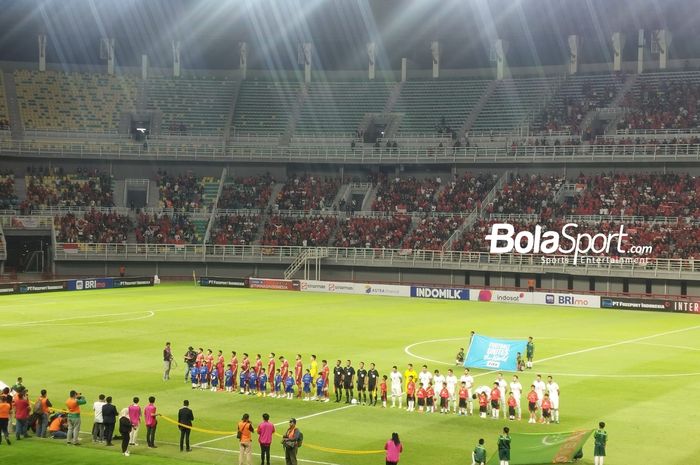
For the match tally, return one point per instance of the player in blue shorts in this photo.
(320, 383)
(262, 382)
(289, 387)
(252, 383)
(203, 376)
(228, 379)
(214, 377)
(278, 384)
(307, 379)
(194, 376)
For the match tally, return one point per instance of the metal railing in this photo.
(377, 257)
(358, 155)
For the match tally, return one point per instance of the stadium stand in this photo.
(373, 232)
(235, 229)
(338, 107)
(93, 227)
(249, 192)
(294, 231)
(406, 195)
(54, 188)
(464, 193)
(527, 194)
(162, 228)
(431, 232)
(4, 116)
(307, 193)
(191, 106)
(186, 192)
(8, 196)
(72, 101)
(264, 106)
(426, 103)
(513, 102)
(663, 101)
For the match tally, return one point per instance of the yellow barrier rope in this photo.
(233, 433)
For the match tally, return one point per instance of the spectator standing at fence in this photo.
(98, 426)
(393, 449)
(185, 417)
(125, 429)
(73, 403)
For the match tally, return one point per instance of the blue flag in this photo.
(494, 354)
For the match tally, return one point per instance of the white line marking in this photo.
(408, 348)
(282, 423)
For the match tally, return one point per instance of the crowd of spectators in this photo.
(431, 232)
(8, 196)
(249, 192)
(308, 193)
(93, 227)
(692, 140)
(53, 187)
(568, 113)
(4, 124)
(527, 194)
(403, 195)
(639, 194)
(181, 193)
(302, 231)
(373, 232)
(235, 229)
(464, 193)
(165, 229)
(663, 105)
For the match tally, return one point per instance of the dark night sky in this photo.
(210, 29)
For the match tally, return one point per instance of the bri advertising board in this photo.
(566, 300)
(83, 284)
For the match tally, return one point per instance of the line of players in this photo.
(423, 388)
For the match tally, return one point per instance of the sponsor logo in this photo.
(500, 296)
(79, 285)
(636, 304)
(7, 290)
(682, 306)
(576, 301)
(440, 293)
(549, 299)
(504, 239)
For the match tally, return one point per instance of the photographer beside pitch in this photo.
(73, 404)
(291, 441)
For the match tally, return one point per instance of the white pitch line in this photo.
(282, 423)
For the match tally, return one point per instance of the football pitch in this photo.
(637, 371)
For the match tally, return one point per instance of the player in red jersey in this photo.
(326, 375)
(298, 373)
(284, 368)
(483, 404)
(532, 399)
(199, 360)
(546, 409)
(234, 368)
(495, 401)
(209, 360)
(258, 369)
(382, 390)
(444, 400)
(512, 404)
(421, 398)
(271, 363)
(411, 394)
(245, 366)
(463, 396)
(220, 369)
(430, 398)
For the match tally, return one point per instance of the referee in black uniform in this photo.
(362, 384)
(338, 380)
(348, 375)
(372, 376)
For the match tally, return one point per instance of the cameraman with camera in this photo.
(73, 404)
(291, 441)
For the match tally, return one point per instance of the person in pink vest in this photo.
(135, 418)
(265, 432)
(393, 449)
(149, 415)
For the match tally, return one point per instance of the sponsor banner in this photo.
(386, 289)
(494, 354)
(28, 222)
(447, 293)
(133, 282)
(566, 300)
(508, 297)
(276, 284)
(222, 282)
(6, 289)
(657, 305)
(331, 286)
(90, 283)
(45, 286)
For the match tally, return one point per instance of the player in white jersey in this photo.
(396, 384)
(425, 377)
(468, 381)
(540, 387)
(517, 389)
(438, 382)
(553, 390)
(502, 386)
(451, 381)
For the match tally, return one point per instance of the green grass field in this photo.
(638, 371)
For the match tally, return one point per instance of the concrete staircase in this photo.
(370, 197)
(119, 192)
(294, 115)
(474, 114)
(13, 111)
(153, 194)
(231, 111)
(20, 188)
(393, 97)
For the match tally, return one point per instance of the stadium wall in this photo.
(582, 284)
